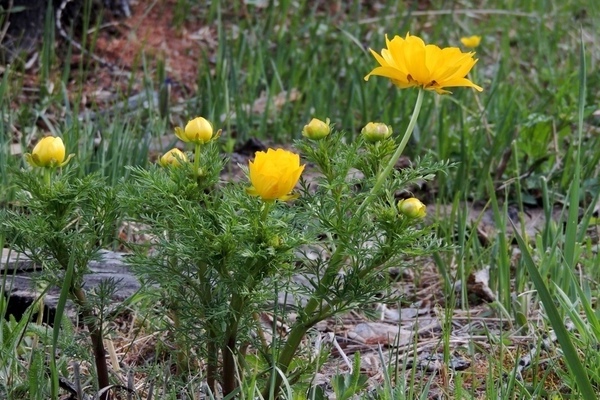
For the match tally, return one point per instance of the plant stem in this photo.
(212, 361)
(48, 176)
(299, 330)
(229, 350)
(392, 162)
(264, 214)
(174, 310)
(96, 335)
(197, 158)
(182, 356)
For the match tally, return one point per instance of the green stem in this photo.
(264, 214)
(285, 358)
(205, 293)
(229, 350)
(48, 176)
(197, 158)
(299, 330)
(237, 305)
(325, 160)
(392, 162)
(174, 310)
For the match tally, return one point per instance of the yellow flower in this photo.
(471, 41)
(274, 173)
(412, 208)
(197, 131)
(48, 152)
(173, 157)
(316, 129)
(409, 63)
(376, 131)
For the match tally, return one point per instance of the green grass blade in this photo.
(58, 317)
(572, 217)
(572, 359)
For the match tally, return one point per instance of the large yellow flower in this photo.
(274, 174)
(408, 62)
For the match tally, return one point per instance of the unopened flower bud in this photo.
(197, 131)
(376, 131)
(316, 129)
(412, 208)
(48, 152)
(173, 157)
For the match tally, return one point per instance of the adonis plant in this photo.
(224, 253)
(307, 235)
(61, 223)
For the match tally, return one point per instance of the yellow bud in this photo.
(316, 129)
(471, 41)
(376, 131)
(197, 131)
(48, 152)
(412, 208)
(173, 157)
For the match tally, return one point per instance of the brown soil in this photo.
(150, 32)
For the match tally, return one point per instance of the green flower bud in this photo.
(316, 129)
(376, 131)
(412, 208)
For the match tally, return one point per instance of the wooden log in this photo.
(19, 274)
